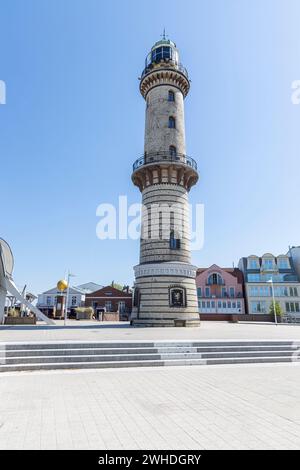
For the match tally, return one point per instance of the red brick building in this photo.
(109, 300)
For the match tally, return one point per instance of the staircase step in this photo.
(79, 352)
(75, 345)
(144, 363)
(141, 344)
(147, 350)
(140, 357)
(59, 355)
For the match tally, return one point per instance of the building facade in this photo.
(165, 290)
(110, 300)
(220, 292)
(52, 301)
(294, 254)
(268, 272)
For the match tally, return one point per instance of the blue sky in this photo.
(74, 123)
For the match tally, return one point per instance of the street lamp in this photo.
(273, 296)
(62, 286)
(67, 297)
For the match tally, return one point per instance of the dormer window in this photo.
(268, 263)
(253, 263)
(283, 263)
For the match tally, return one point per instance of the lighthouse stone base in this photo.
(165, 295)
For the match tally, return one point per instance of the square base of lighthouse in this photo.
(164, 323)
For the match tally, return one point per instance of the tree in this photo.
(278, 309)
(116, 285)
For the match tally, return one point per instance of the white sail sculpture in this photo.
(7, 284)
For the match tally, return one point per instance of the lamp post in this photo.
(62, 286)
(67, 297)
(273, 297)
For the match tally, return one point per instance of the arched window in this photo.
(215, 279)
(173, 150)
(171, 122)
(171, 95)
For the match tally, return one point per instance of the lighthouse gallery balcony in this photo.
(161, 157)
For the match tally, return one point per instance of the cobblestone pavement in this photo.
(210, 407)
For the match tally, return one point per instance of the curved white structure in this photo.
(7, 284)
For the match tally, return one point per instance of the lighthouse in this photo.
(165, 291)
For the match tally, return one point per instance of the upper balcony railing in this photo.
(149, 68)
(215, 283)
(161, 157)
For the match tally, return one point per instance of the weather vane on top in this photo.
(164, 35)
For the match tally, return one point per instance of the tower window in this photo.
(171, 122)
(171, 95)
(174, 242)
(173, 151)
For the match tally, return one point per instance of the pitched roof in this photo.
(72, 290)
(89, 287)
(236, 272)
(109, 292)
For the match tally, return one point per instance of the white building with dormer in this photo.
(48, 300)
(267, 272)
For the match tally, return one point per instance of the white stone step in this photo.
(162, 355)
(144, 363)
(57, 355)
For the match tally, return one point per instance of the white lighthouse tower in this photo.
(165, 290)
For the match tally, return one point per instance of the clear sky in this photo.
(73, 125)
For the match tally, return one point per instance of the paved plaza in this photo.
(212, 407)
(122, 331)
(251, 406)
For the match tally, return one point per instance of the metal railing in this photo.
(160, 157)
(217, 283)
(179, 67)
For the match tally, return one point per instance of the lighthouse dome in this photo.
(164, 42)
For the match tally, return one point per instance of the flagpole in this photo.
(67, 297)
